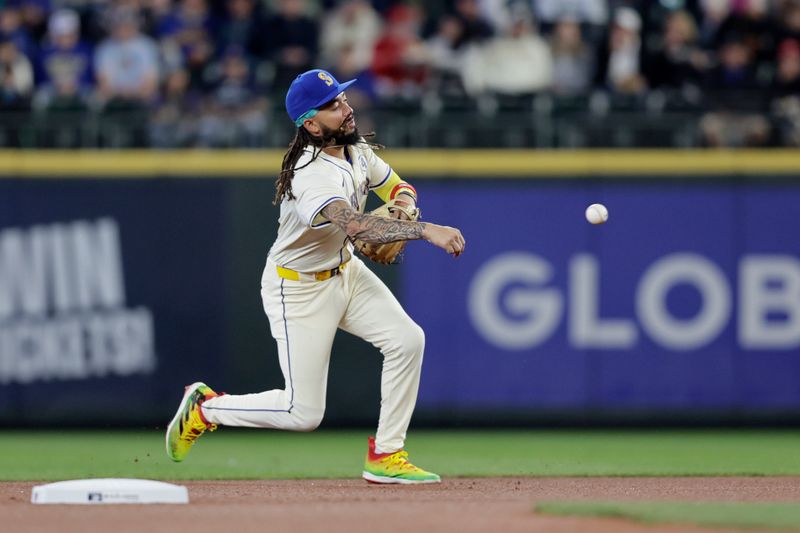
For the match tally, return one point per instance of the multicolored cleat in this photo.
(188, 424)
(394, 468)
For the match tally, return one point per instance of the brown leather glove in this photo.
(390, 252)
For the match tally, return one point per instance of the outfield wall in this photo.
(125, 276)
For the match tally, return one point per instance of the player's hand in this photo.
(448, 239)
(399, 213)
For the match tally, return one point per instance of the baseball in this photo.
(596, 213)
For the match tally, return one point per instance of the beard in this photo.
(340, 136)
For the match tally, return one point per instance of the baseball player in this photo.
(313, 284)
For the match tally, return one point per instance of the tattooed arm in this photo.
(370, 228)
(379, 230)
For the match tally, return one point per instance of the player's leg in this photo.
(375, 315)
(303, 318)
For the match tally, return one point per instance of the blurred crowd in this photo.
(204, 72)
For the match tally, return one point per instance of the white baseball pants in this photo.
(304, 317)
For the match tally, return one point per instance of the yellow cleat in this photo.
(394, 468)
(188, 424)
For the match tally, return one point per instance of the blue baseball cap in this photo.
(309, 91)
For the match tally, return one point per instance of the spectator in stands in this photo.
(291, 42)
(735, 98)
(242, 27)
(518, 63)
(16, 85)
(186, 33)
(65, 80)
(154, 13)
(97, 20)
(586, 12)
(444, 47)
(34, 14)
(583, 11)
(789, 19)
(446, 57)
(474, 28)
(235, 114)
(733, 84)
(677, 61)
(786, 92)
(188, 22)
(175, 116)
(714, 12)
(752, 23)
(16, 77)
(11, 29)
(497, 13)
(65, 103)
(347, 65)
(353, 25)
(619, 66)
(64, 57)
(573, 59)
(127, 64)
(400, 63)
(787, 77)
(62, 95)
(655, 14)
(363, 94)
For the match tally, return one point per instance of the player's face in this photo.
(337, 115)
(335, 121)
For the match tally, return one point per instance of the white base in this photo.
(105, 491)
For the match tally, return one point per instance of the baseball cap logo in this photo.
(326, 78)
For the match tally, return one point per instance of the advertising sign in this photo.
(111, 297)
(688, 298)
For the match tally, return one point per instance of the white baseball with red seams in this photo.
(596, 214)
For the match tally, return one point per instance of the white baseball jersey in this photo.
(306, 241)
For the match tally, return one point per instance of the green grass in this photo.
(739, 514)
(264, 454)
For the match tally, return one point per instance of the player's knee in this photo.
(414, 340)
(306, 421)
(407, 342)
(308, 424)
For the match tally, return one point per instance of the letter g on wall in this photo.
(508, 303)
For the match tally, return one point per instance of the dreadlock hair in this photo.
(302, 138)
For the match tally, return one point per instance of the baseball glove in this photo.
(390, 252)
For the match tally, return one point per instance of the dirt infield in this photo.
(460, 505)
